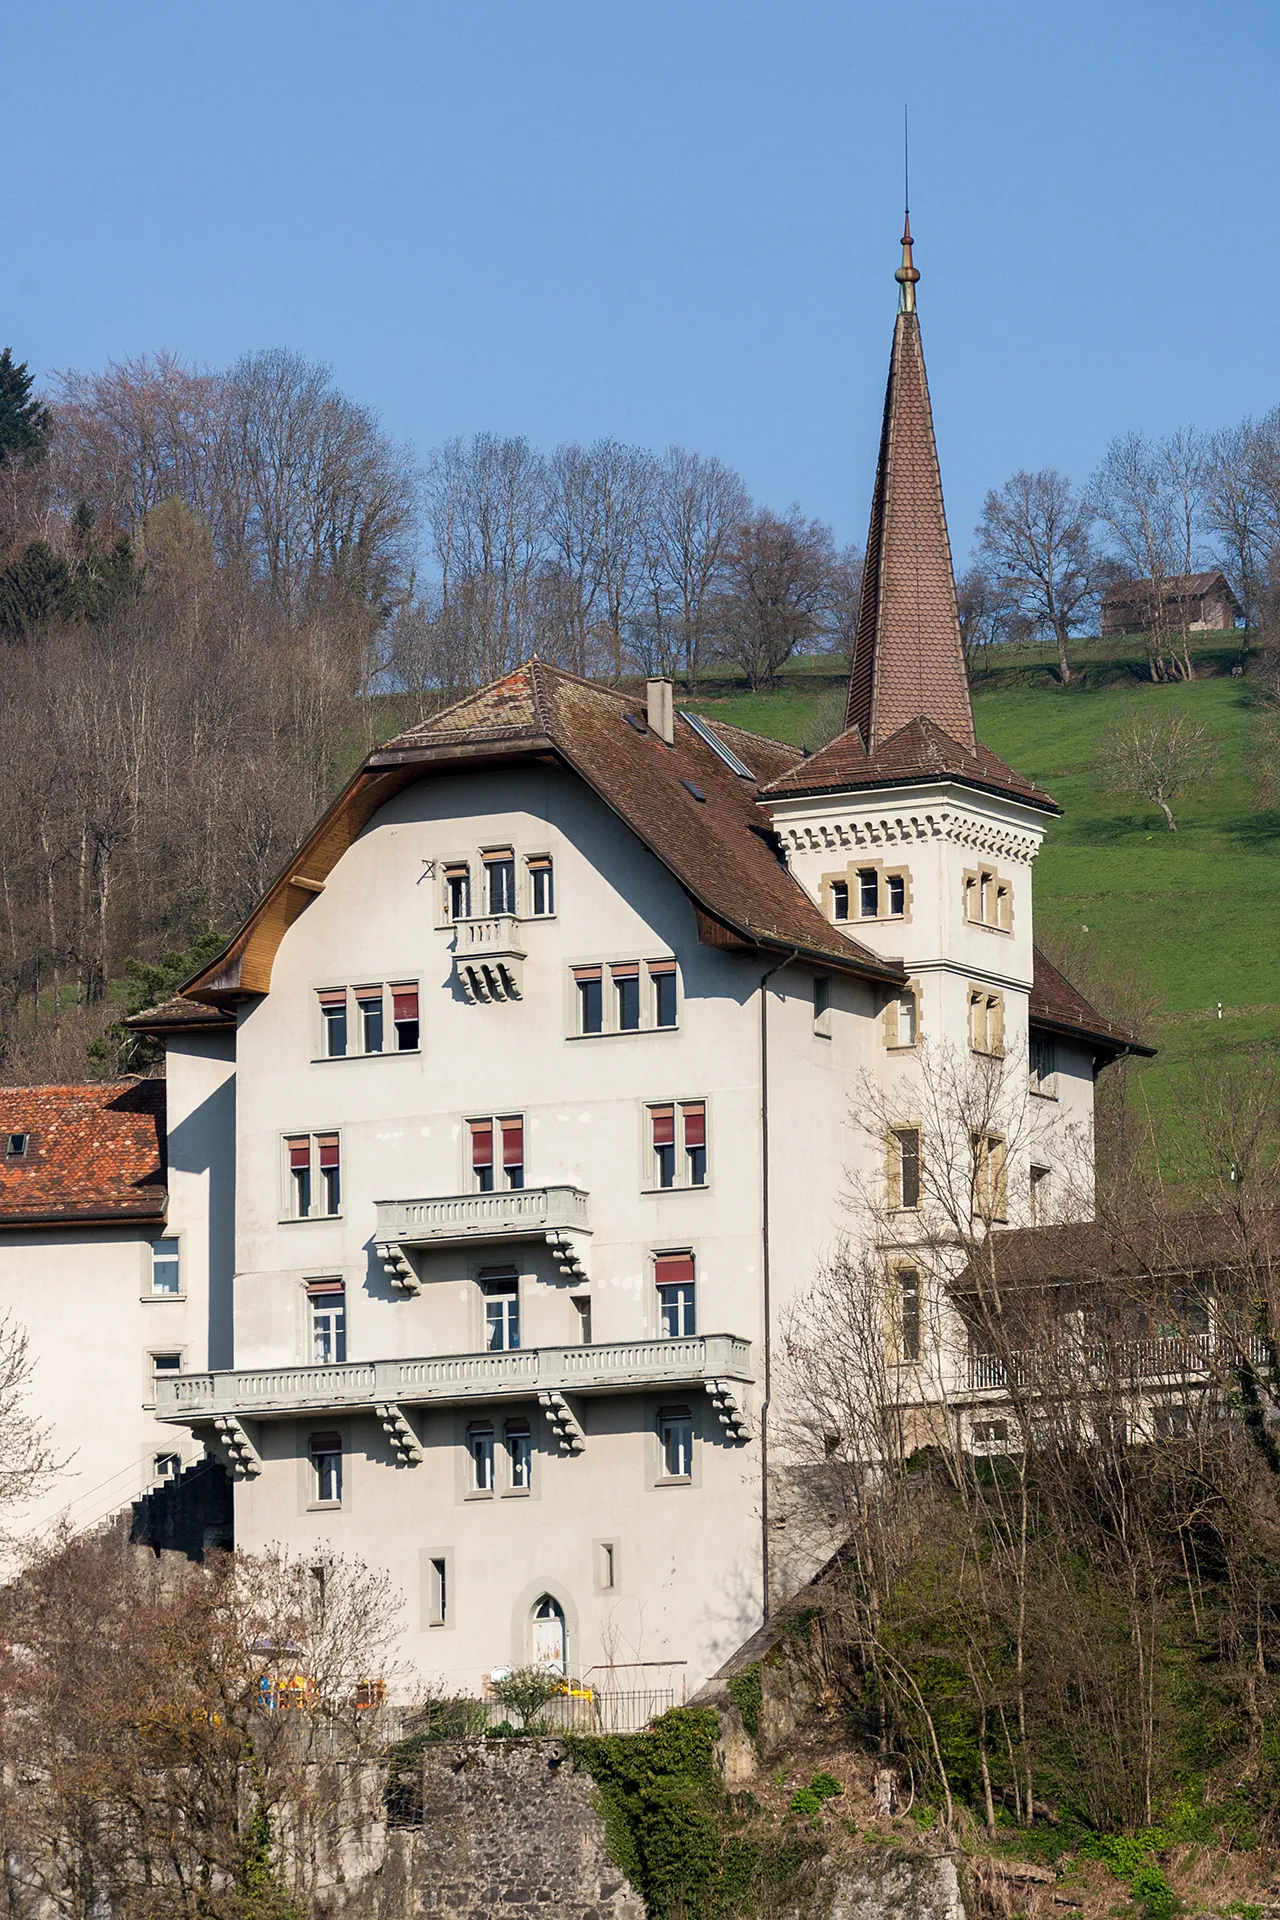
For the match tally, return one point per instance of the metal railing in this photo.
(257, 1392)
(1172, 1356)
(447, 1217)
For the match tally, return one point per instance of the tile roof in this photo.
(181, 1015)
(1139, 1247)
(1057, 1007)
(712, 838)
(907, 656)
(919, 750)
(1178, 586)
(94, 1152)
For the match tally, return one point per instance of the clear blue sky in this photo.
(666, 221)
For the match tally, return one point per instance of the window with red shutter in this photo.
(330, 1174)
(482, 1155)
(674, 1277)
(299, 1149)
(693, 1116)
(663, 1121)
(513, 1150)
(333, 1014)
(404, 1008)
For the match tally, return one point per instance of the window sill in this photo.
(387, 1053)
(623, 1033)
(324, 1506)
(680, 1480)
(902, 1046)
(306, 1219)
(982, 926)
(479, 1493)
(516, 1493)
(149, 1298)
(874, 920)
(1041, 1093)
(687, 1186)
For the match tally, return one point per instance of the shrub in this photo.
(526, 1691)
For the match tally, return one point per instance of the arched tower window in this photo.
(548, 1636)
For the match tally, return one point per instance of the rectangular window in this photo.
(663, 1121)
(327, 1301)
(500, 879)
(165, 1277)
(299, 1150)
(907, 1157)
(166, 1466)
(868, 893)
(501, 1289)
(438, 1595)
(541, 886)
(663, 975)
(988, 900)
(330, 1172)
(404, 1013)
(369, 1008)
(693, 1114)
(1044, 1066)
(839, 899)
(909, 1312)
(822, 1005)
(16, 1145)
(457, 891)
(896, 886)
(581, 1303)
(481, 1155)
(675, 1428)
(1038, 1196)
(590, 999)
(990, 1198)
(326, 1469)
(519, 1442)
(333, 1011)
(480, 1447)
(674, 1278)
(626, 987)
(907, 1019)
(606, 1566)
(512, 1130)
(986, 1021)
(163, 1367)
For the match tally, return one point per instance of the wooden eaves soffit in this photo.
(681, 800)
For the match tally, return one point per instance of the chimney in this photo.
(662, 710)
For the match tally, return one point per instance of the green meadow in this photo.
(1176, 923)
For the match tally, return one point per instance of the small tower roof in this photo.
(908, 662)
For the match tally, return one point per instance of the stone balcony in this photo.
(219, 1404)
(488, 960)
(553, 1214)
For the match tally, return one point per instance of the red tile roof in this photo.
(94, 1152)
(1057, 1007)
(920, 750)
(907, 657)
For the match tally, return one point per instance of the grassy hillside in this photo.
(1188, 919)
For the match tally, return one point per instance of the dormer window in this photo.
(17, 1146)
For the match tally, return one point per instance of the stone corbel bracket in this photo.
(566, 1254)
(241, 1455)
(397, 1266)
(488, 980)
(727, 1398)
(405, 1443)
(562, 1420)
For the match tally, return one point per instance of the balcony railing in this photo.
(1176, 1356)
(276, 1392)
(450, 1218)
(488, 958)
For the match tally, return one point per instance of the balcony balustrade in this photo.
(706, 1361)
(1185, 1356)
(553, 1214)
(488, 960)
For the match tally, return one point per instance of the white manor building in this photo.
(506, 1131)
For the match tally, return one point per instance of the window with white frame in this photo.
(314, 1175)
(354, 1021)
(497, 1152)
(327, 1307)
(457, 890)
(1042, 1076)
(678, 1143)
(673, 1275)
(675, 1438)
(518, 1441)
(500, 1290)
(480, 1448)
(500, 880)
(166, 1276)
(986, 1020)
(904, 1167)
(625, 996)
(541, 884)
(164, 1366)
(325, 1451)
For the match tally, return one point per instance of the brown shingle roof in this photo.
(181, 1015)
(920, 750)
(1179, 586)
(907, 657)
(1057, 1007)
(1137, 1248)
(94, 1152)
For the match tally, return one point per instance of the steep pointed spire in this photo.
(908, 662)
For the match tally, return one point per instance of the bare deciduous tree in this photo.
(779, 577)
(1035, 538)
(1158, 757)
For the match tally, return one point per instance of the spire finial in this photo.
(908, 273)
